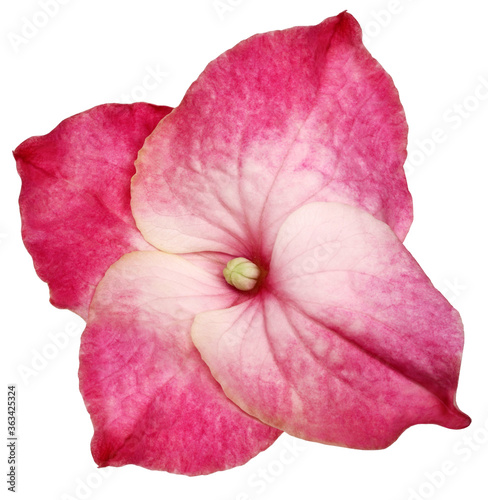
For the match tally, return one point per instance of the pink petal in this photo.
(152, 400)
(282, 119)
(348, 342)
(75, 198)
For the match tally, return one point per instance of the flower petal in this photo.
(353, 342)
(75, 198)
(152, 400)
(282, 119)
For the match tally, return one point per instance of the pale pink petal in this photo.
(152, 400)
(348, 342)
(75, 198)
(282, 119)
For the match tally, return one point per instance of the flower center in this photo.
(242, 274)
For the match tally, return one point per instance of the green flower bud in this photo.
(242, 273)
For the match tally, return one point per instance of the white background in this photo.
(91, 52)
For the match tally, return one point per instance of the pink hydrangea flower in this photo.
(251, 278)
